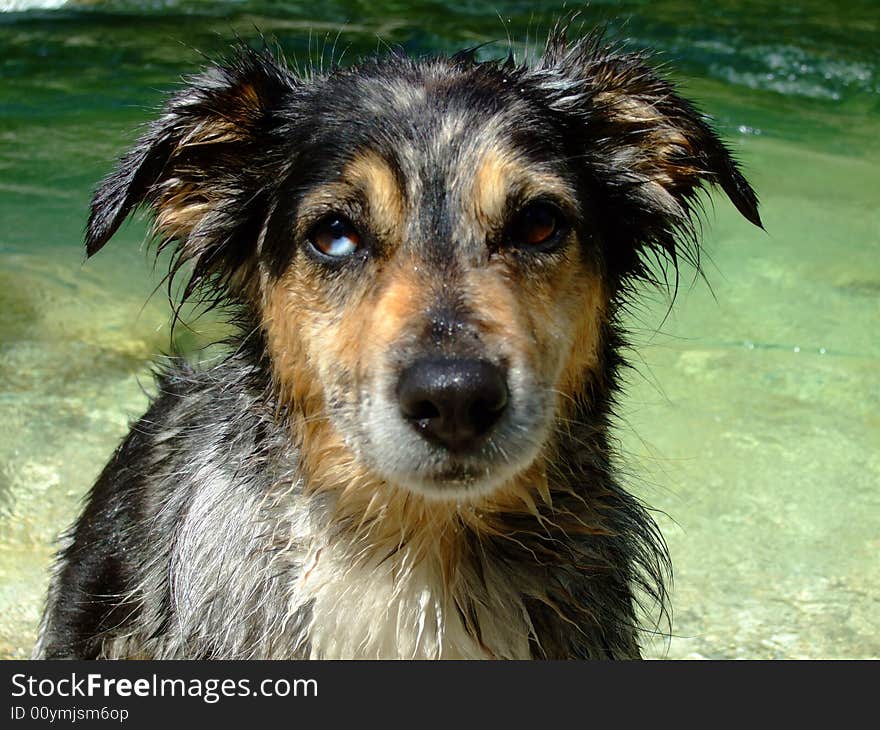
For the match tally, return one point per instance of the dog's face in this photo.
(439, 278)
(434, 249)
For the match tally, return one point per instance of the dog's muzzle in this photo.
(453, 402)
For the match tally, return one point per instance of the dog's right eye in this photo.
(539, 226)
(335, 236)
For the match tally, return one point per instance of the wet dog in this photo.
(406, 452)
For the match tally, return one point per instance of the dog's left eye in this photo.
(538, 225)
(335, 236)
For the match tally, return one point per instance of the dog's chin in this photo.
(455, 479)
(456, 484)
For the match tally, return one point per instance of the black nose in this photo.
(452, 402)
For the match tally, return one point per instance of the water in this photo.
(752, 422)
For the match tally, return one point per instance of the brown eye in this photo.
(335, 236)
(536, 225)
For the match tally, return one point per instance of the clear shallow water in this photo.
(753, 419)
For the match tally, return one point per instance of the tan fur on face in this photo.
(586, 304)
(554, 324)
(288, 311)
(398, 306)
(369, 324)
(498, 312)
(500, 172)
(371, 183)
(370, 173)
(492, 181)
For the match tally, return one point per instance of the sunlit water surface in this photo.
(752, 419)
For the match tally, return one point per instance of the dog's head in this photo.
(434, 248)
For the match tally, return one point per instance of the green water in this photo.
(752, 421)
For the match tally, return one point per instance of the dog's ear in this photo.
(651, 147)
(197, 166)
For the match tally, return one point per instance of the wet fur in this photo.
(269, 507)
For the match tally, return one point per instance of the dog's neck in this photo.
(392, 574)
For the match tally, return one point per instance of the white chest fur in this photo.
(391, 610)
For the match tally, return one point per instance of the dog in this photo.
(406, 451)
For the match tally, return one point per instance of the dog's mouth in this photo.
(439, 475)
